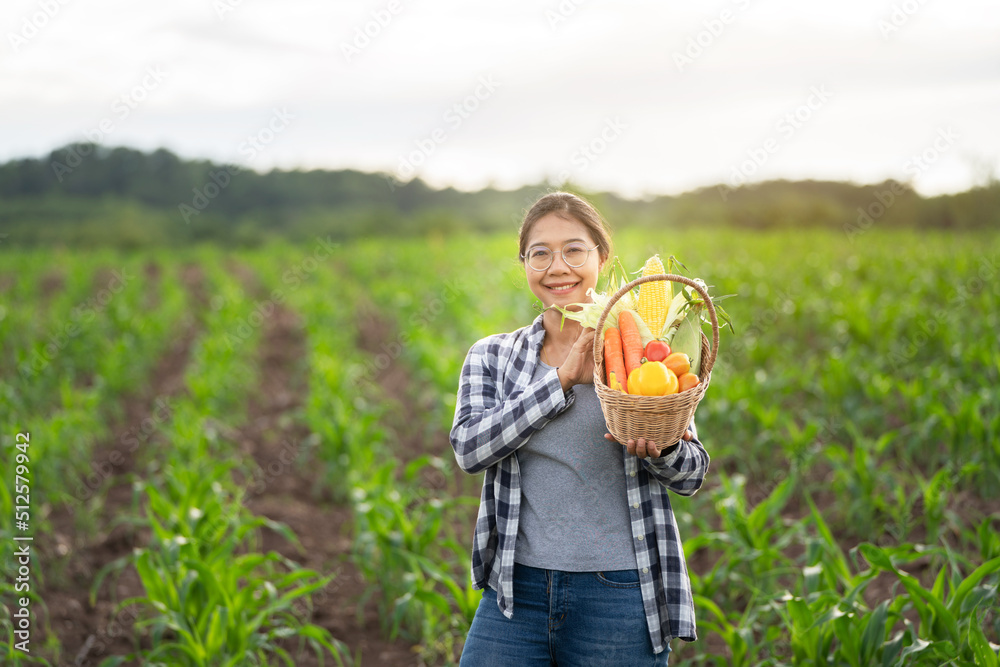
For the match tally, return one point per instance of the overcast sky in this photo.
(638, 97)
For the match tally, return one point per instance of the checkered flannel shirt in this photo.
(498, 410)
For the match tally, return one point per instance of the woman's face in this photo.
(562, 284)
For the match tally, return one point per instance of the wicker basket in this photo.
(662, 419)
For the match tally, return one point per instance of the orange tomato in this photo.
(679, 363)
(688, 381)
(655, 379)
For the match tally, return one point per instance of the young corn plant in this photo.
(751, 636)
(736, 598)
(213, 599)
(757, 537)
(878, 501)
(947, 611)
(403, 543)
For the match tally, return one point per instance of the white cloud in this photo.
(559, 82)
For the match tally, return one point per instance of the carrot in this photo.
(614, 362)
(631, 341)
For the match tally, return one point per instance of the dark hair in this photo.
(569, 207)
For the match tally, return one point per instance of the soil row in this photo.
(81, 544)
(275, 440)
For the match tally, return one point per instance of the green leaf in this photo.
(414, 467)
(874, 632)
(322, 637)
(970, 582)
(801, 615)
(285, 600)
(918, 647)
(839, 564)
(941, 612)
(985, 655)
(876, 557)
(215, 636)
(892, 648)
(937, 590)
(978, 596)
(115, 565)
(116, 660)
(847, 633)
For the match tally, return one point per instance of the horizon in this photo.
(569, 186)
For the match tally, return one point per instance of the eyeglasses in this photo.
(574, 253)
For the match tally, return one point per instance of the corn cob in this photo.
(654, 296)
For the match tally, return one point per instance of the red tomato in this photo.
(656, 350)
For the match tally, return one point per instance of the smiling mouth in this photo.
(561, 288)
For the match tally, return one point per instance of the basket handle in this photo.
(707, 367)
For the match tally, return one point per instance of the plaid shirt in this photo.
(498, 410)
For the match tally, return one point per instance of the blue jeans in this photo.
(565, 619)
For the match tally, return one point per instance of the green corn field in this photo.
(241, 457)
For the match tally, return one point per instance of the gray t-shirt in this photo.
(574, 510)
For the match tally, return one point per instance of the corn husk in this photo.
(590, 313)
(675, 313)
(687, 338)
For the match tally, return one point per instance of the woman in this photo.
(575, 546)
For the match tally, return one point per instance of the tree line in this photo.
(90, 194)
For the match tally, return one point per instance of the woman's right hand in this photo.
(578, 368)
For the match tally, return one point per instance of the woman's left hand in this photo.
(645, 448)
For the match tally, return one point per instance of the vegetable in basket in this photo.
(656, 350)
(653, 378)
(654, 295)
(614, 359)
(631, 341)
(666, 319)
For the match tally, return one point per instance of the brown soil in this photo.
(89, 633)
(281, 491)
(406, 418)
(374, 334)
(193, 279)
(152, 273)
(74, 552)
(245, 275)
(50, 284)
